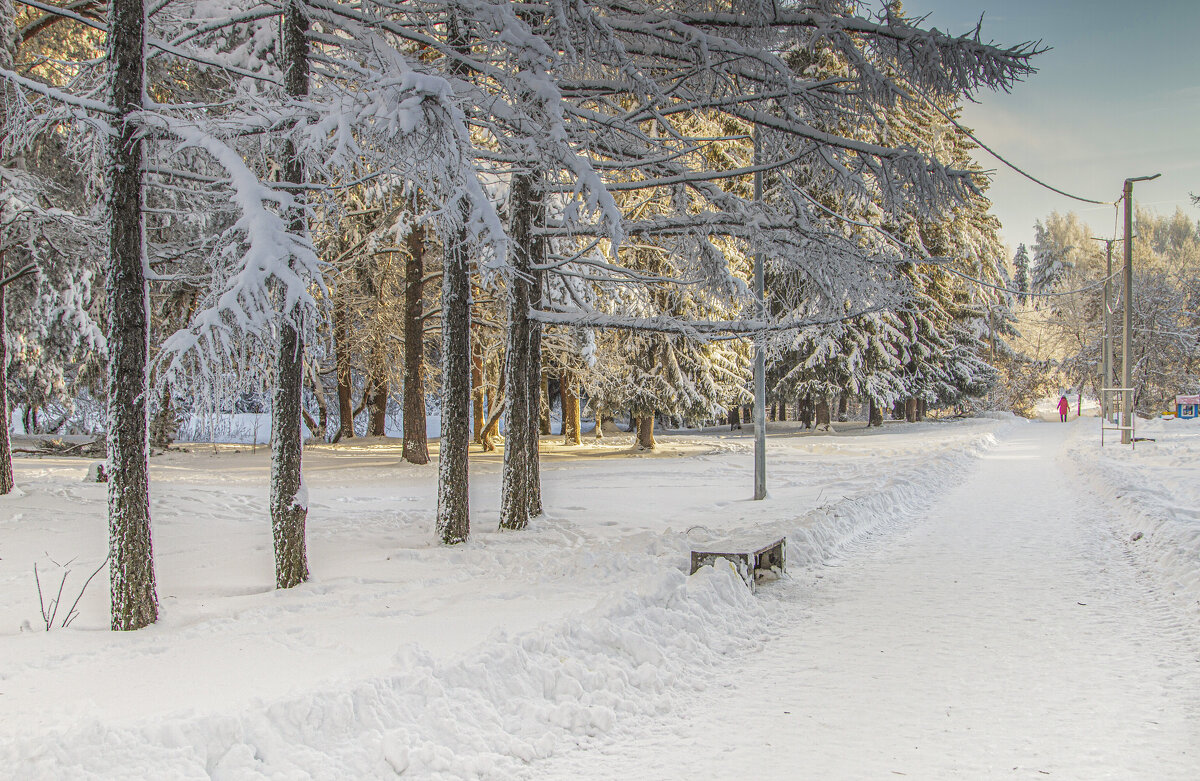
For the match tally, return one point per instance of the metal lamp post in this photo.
(1106, 357)
(760, 356)
(1126, 346)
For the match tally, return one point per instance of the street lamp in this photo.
(1126, 352)
(760, 352)
(1106, 357)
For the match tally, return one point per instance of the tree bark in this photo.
(492, 428)
(453, 513)
(321, 427)
(163, 425)
(875, 415)
(735, 418)
(341, 347)
(599, 409)
(478, 392)
(377, 391)
(7, 482)
(522, 372)
(822, 413)
(569, 397)
(806, 412)
(416, 446)
(645, 432)
(289, 499)
(843, 407)
(131, 562)
(543, 406)
(910, 410)
(922, 406)
(540, 397)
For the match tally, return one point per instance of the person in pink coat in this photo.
(1064, 407)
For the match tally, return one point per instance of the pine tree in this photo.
(1062, 246)
(1021, 274)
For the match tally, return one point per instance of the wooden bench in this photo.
(752, 560)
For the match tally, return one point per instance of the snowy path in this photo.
(1005, 633)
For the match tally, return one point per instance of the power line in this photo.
(1031, 294)
(1001, 158)
(920, 254)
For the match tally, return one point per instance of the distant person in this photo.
(1064, 407)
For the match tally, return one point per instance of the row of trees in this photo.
(1165, 338)
(291, 179)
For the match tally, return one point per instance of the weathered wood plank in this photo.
(753, 562)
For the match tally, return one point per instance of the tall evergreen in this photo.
(1021, 274)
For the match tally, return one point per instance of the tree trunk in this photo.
(163, 425)
(131, 562)
(416, 446)
(377, 391)
(806, 412)
(543, 407)
(598, 410)
(570, 407)
(922, 406)
(645, 432)
(822, 413)
(453, 513)
(492, 428)
(735, 418)
(898, 409)
(782, 410)
(875, 416)
(7, 483)
(289, 499)
(478, 392)
(522, 370)
(541, 396)
(910, 410)
(843, 407)
(341, 347)
(321, 427)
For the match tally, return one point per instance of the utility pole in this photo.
(1106, 357)
(1126, 346)
(760, 355)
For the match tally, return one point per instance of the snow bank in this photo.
(1155, 489)
(512, 701)
(652, 634)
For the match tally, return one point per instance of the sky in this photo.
(1117, 95)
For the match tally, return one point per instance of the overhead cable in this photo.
(1001, 158)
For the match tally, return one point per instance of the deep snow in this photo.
(537, 654)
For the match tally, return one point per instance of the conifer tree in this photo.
(1021, 274)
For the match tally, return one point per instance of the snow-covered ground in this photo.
(547, 653)
(1154, 488)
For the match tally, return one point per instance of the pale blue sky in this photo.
(1118, 95)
